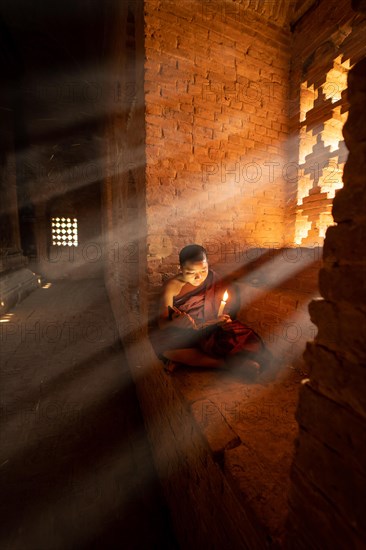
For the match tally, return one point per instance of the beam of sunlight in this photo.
(70, 392)
(274, 272)
(7, 317)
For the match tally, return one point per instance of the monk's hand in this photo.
(182, 319)
(227, 324)
(222, 320)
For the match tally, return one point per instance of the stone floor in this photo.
(249, 424)
(75, 465)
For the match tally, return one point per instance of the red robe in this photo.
(202, 304)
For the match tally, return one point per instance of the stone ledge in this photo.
(250, 429)
(218, 433)
(15, 285)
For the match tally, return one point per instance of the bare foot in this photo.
(242, 365)
(251, 368)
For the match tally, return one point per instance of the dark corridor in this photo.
(76, 470)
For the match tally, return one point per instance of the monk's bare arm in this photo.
(170, 289)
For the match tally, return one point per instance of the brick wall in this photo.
(216, 127)
(329, 466)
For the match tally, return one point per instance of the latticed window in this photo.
(322, 151)
(64, 231)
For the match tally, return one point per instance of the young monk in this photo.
(191, 332)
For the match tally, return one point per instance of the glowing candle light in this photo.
(223, 303)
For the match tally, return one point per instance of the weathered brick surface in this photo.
(343, 485)
(344, 283)
(337, 377)
(342, 428)
(320, 525)
(216, 127)
(341, 327)
(329, 466)
(350, 203)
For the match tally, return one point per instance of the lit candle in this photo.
(223, 303)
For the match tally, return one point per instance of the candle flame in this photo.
(225, 296)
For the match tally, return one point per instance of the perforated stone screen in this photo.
(322, 152)
(64, 231)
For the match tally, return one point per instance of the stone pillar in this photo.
(41, 229)
(16, 280)
(329, 468)
(10, 246)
